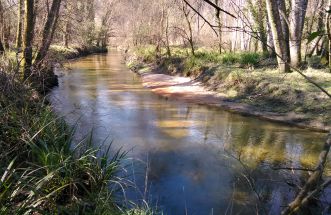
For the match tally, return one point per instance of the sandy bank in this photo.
(188, 90)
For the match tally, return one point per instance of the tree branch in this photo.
(219, 9)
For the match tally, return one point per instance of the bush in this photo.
(249, 59)
(147, 53)
(208, 56)
(230, 58)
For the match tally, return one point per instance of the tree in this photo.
(259, 14)
(4, 28)
(188, 19)
(19, 24)
(67, 24)
(2, 49)
(219, 27)
(28, 37)
(297, 17)
(48, 31)
(328, 30)
(278, 35)
(284, 21)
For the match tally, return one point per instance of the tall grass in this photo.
(202, 58)
(43, 170)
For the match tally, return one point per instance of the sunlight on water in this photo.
(193, 152)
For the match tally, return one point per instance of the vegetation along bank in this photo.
(247, 83)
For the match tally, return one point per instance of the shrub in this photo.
(146, 53)
(230, 58)
(208, 56)
(249, 59)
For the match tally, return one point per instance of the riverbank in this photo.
(240, 83)
(40, 170)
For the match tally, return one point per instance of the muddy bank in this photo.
(192, 91)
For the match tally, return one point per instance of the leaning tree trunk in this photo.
(314, 184)
(278, 36)
(19, 24)
(297, 18)
(190, 39)
(48, 31)
(28, 37)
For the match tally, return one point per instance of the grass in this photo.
(42, 170)
(60, 53)
(202, 58)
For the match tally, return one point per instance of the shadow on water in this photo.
(196, 159)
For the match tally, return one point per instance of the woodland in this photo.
(273, 55)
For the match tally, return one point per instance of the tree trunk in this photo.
(328, 30)
(28, 37)
(219, 27)
(278, 36)
(297, 18)
(190, 40)
(262, 27)
(19, 24)
(186, 13)
(2, 49)
(66, 30)
(66, 34)
(314, 184)
(48, 31)
(167, 36)
(271, 45)
(4, 30)
(285, 25)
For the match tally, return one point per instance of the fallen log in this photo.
(314, 184)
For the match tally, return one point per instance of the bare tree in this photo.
(49, 30)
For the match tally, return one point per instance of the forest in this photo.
(145, 107)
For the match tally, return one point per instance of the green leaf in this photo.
(314, 35)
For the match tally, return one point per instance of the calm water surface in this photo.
(195, 157)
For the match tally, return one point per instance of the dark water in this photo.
(197, 158)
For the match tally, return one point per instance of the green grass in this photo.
(202, 57)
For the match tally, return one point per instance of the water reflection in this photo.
(193, 151)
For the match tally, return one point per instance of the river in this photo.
(185, 158)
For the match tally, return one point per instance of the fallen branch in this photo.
(312, 186)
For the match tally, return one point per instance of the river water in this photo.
(184, 158)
